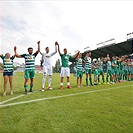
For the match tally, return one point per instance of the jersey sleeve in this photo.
(54, 51)
(35, 54)
(2, 57)
(12, 57)
(23, 55)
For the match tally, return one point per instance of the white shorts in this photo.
(47, 70)
(65, 71)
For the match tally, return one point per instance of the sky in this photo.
(74, 24)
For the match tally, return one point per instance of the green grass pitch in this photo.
(98, 109)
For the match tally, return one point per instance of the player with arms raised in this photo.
(47, 66)
(29, 66)
(65, 70)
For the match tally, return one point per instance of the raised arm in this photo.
(58, 48)
(38, 50)
(16, 54)
(74, 56)
(55, 49)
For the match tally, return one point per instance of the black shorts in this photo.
(7, 73)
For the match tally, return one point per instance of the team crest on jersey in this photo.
(47, 56)
(80, 60)
(7, 60)
(30, 57)
(66, 57)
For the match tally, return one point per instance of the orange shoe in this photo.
(61, 87)
(69, 87)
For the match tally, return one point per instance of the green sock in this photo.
(107, 78)
(120, 77)
(123, 77)
(98, 79)
(111, 79)
(90, 80)
(31, 86)
(103, 79)
(26, 87)
(86, 81)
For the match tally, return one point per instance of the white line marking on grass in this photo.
(11, 99)
(56, 97)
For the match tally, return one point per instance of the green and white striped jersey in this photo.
(29, 61)
(8, 64)
(79, 63)
(88, 63)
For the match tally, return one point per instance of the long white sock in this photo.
(49, 81)
(43, 81)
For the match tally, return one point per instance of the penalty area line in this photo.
(63, 96)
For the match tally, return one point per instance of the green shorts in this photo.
(88, 71)
(95, 72)
(114, 71)
(109, 72)
(29, 74)
(79, 74)
(129, 72)
(120, 72)
(125, 72)
(100, 72)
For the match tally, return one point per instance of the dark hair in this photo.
(46, 48)
(30, 48)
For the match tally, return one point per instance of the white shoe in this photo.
(11, 93)
(4, 94)
(49, 88)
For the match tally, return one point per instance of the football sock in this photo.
(87, 81)
(49, 81)
(90, 80)
(43, 81)
(31, 86)
(26, 87)
(107, 78)
(98, 79)
(103, 79)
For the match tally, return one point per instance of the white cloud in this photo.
(74, 25)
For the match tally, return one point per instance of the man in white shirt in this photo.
(47, 66)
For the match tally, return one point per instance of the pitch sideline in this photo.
(56, 97)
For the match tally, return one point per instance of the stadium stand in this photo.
(122, 48)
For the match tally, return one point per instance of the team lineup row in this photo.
(118, 69)
(115, 68)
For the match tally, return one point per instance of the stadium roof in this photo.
(119, 49)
